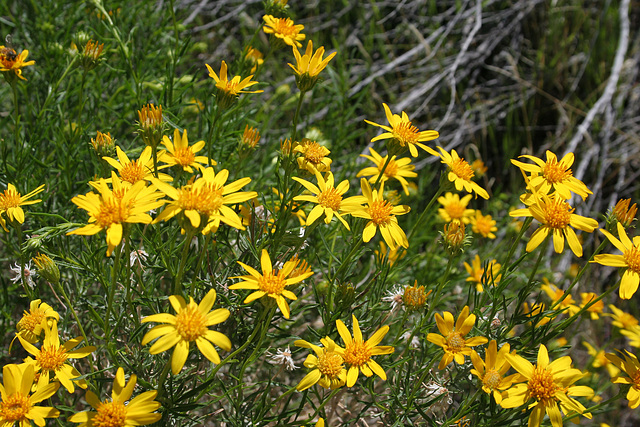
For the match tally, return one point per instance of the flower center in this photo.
(483, 225)
(391, 170)
(314, 153)
(380, 211)
(330, 198)
(132, 172)
(456, 341)
(627, 320)
(285, 27)
(211, 201)
(541, 385)
(405, 133)
(632, 258)
(30, 321)
(330, 363)
(357, 353)
(555, 172)
(184, 156)
(636, 380)
(414, 297)
(462, 169)
(455, 210)
(491, 379)
(557, 214)
(272, 283)
(51, 358)
(14, 408)
(9, 199)
(112, 211)
(110, 414)
(190, 323)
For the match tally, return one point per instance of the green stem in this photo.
(441, 189)
(214, 126)
(386, 163)
(23, 278)
(296, 117)
(326, 400)
(436, 294)
(177, 286)
(112, 290)
(515, 243)
(537, 264)
(203, 252)
(75, 316)
(81, 102)
(163, 378)
(154, 154)
(265, 323)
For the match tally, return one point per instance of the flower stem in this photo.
(177, 286)
(296, 117)
(384, 167)
(112, 290)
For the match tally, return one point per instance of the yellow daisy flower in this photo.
(120, 410)
(404, 133)
(110, 209)
(11, 202)
(327, 365)
(11, 61)
(479, 274)
(630, 259)
(205, 202)
(455, 208)
(596, 308)
(272, 282)
(381, 215)
(556, 294)
(190, 324)
(229, 90)
(553, 174)
(624, 213)
(391, 255)
(51, 358)
(600, 360)
(358, 353)
(491, 370)
(550, 387)
(309, 66)
(621, 319)
(284, 29)
(254, 57)
(536, 310)
(179, 153)
(314, 156)
(397, 169)
(461, 173)
(17, 405)
(453, 340)
(329, 199)
(483, 225)
(631, 367)
(632, 333)
(137, 170)
(556, 218)
(40, 316)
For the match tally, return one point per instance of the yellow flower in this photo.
(120, 410)
(600, 360)
(272, 282)
(228, 90)
(40, 316)
(17, 405)
(630, 259)
(250, 137)
(556, 218)
(632, 333)
(179, 152)
(624, 213)
(479, 274)
(11, 202)
(137, 170)
(205, 202)
(358, 353)
(483, 225)
(329, 199)
(51, 358)
(327, 365)
(392, 255)
(453, 340)
(398, 169)
(309, 66)
(47, 268)
(596, 308)
(550, 387)
(556, 295)
(491, 370)
(460, 173)
(414, 297)
(553, 174)
(314, 156)
(631, 367)
(536, 310)
(478, 167)
(190, 324)
(11, 61)
(284, 29)
(254, 57)
(621, 319)
(111, 209)
(454, 237)
(151, 124)
(455, 208)
(403, 133)
(381, 215)
(103, 144)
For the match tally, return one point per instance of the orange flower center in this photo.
(285, 27)
(330, 198)
(632, 258)
(330, 363)
(462, 169)
(112, 211)
(314, 153)
(491, 379)
(636, 380)
(14, 408)
(206, 199)
(31, 320)
(627, 320)
(406, 133)
(110, 414)
(272, 283)
(541, 385)
(555, 172)
(414, 297)
(455, 209)
(380, 211)
(184, 156)
(357, 353)
(51, 358)
(132, 172)
(190, 323)
(557, 214)
(456, 342)
(484, 225)
(391, 170)
(150, 116)
(9, 199)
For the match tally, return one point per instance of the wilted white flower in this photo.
(415, 342)
(283, 357)
(435, 389)
(29, 274)
(394, 296)
(138, 256)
